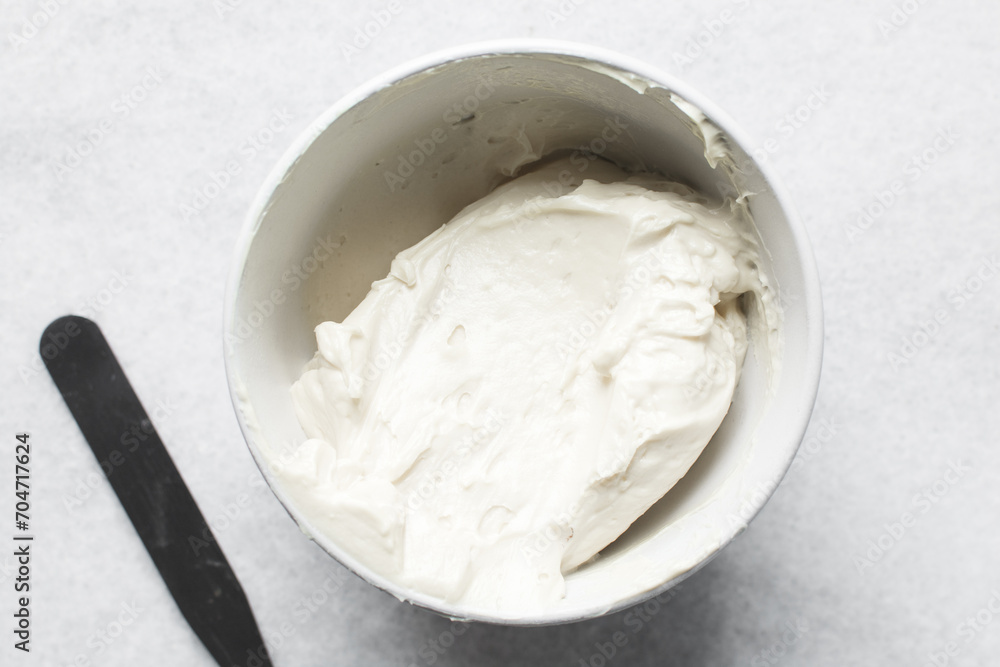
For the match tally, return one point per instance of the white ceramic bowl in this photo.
(330, 218)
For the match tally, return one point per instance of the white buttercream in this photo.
(526, 382)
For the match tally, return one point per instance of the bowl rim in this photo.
(799, 415)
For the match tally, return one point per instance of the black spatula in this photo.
(151, 490)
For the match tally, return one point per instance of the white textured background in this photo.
(92, 184)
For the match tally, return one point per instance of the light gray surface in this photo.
(108, 238)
